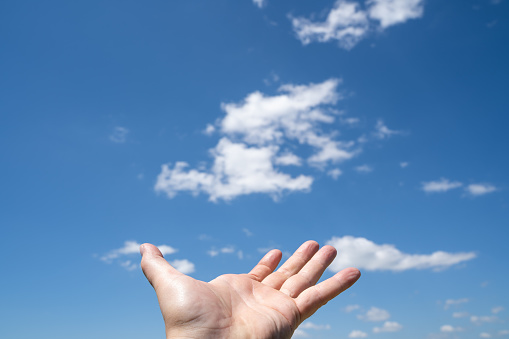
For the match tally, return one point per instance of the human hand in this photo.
(262, 304)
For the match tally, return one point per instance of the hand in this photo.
(261, 304)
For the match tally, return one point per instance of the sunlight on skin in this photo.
(262, 304)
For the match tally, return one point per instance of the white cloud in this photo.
(480, 189)
(449, 302)
(131, 248)
(442, 185)
(247, 232)
(346, 23)
(334, 173)
(460, 314)
(350, 308)
(375, 314)
(389, 326)
(403, 164)
(485, 335)
(364, 169)
(248, 156)
(299, 333)
(312, 326)
(260, 3)
(213, 252)
(183, 265)
(209, 129)
(119, 135)
(497, 309)
(382, 131)
(357, 334)
(392, 12)
(365, 254)
(478, 320)
(450, 329)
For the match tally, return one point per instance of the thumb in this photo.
(154, 266)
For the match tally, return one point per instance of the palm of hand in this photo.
(261, 304)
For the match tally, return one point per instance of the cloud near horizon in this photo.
(365, 254)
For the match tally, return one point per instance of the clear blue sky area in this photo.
(225, 128)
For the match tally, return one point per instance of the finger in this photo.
(154, 266)
(266, 266)
(315, 297)
(293, 265)
(311, 272)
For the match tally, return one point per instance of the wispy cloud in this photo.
(450, 329)
(260, 3)
(450, 302)
(480, 189)
(357, 334)
(479, 320)
(348, 22)
(440, 186)
(388, 326)
(119, 135)
(364, 169)
(365, 254)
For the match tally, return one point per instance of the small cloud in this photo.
(498, 309)
(460, 314)
(119, 135)
(272, 78)
(212, 253)
(183, 266)
(260, 3)
(334, 173)
(247, 232)
(357, 334)
(300, 333)
(403, 164)
(480, 189)
(209, 130)
(383, 132)
(450, 329)
(485, 335)
(479, 320)
(351, 308)
(442, 185)
(374, 314)
(364, 169)
(450, 302)
(350, 121)
(389, 326)
(288, 159)
(491, 24)
(312, 326)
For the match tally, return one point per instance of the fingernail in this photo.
(142, 249)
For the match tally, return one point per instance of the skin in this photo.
(261, 304)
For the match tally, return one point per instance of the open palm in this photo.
(262, 304)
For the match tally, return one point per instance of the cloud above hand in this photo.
(365, 254)
(258, 137)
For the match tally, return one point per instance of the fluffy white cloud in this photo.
(388, 326)
(346, 23)
(248, 157)
(183, 265)
(450, 329)
(449, 302)
(484, 335)
(260, 3)
(365, 254)
(480, 189)
(357, 334)
(392, 12)
(375, 314)
(334, 173)
(119, 135)
(442, 185)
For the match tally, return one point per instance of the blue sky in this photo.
(221, 129)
